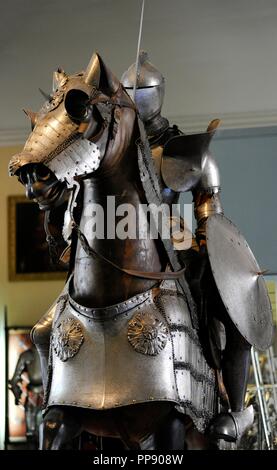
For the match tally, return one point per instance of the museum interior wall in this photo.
(25, 301)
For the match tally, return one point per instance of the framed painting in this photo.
(28, 250)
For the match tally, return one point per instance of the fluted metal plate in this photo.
(183, 160)
(241, 286)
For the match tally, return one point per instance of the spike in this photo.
(45, 95)
(59, 78)
(214, 124)
(31, 115)
(143, 57)
(262, 272)
(92, 73)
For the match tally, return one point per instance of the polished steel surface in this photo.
(149, 93)
(184, 159)
(243, 419)
(210, 178)
(148, 74)
(233, 425)
(195, 379)
(41, 333)
(149, 102)
(80, 158)
(116, 375)
(106, 353)
(239, 281)
(172, 369)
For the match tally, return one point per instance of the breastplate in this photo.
(138, 351)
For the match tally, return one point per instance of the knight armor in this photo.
(149, 93)
(185, 163)
(157, 329)
(28, 363)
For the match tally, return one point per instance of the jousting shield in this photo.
(239, 281)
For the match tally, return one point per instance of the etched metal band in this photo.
(104, 313)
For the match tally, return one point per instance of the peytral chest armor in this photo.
(141, 350)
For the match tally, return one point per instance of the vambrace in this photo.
(205, 205)
(206, 197)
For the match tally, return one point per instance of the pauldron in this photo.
(184, 158)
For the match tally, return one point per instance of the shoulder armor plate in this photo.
(182, 160)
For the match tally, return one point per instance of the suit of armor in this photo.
(232, 359)
(29, 362)
(66, 129)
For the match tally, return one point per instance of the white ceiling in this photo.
(219, 57)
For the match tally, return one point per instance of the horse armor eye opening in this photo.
(42, 172)
(76, 104)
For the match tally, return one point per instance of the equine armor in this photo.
(146, 350)
(58, 139)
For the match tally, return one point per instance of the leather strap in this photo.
(52, 244)
(221, 389)
(120, 98)
(163, 275)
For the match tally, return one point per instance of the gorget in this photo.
(141, 350)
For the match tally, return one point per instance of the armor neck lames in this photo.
(104, 313)
(156, 126)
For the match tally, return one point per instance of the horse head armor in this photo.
(65, 128)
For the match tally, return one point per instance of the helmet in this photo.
(149, 87)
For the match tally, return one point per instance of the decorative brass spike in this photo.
(45, 95)
(92, 73)
(59, 77)
(262, 272)
(214, 124)
(31, 115)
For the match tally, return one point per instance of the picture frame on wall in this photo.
(28, 250)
